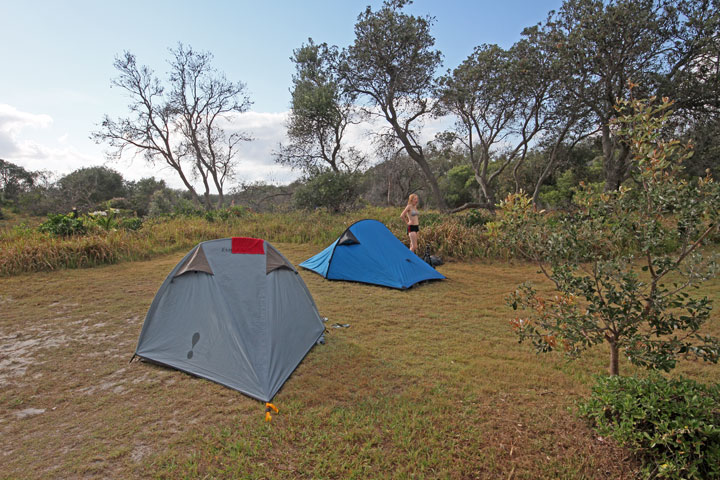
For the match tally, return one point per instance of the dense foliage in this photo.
(63, 225)
(674, 425)
(334, 191)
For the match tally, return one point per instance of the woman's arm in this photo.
(404, 215)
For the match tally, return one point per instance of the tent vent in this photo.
(347, 238)
(197, 262)
(275, 260)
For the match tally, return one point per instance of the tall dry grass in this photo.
(24, 249)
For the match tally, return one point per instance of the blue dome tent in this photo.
(368, 252)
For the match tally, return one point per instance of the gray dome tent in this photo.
(234, 311)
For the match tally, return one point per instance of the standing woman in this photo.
(410, 217)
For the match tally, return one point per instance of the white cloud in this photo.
(23, 141)
(31, 141)
(256, 161)
(12, 123)
(12, 120)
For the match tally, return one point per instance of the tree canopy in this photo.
(391, 67)
(320, 113)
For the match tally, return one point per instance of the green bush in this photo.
(459, 185)
(63, 225)
(337, 192)
(131, 223)
(106, 219)
(673, 424)
(432, 218)
(477, 218)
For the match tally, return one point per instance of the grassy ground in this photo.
(427, 383)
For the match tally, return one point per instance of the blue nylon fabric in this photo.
(380, 259)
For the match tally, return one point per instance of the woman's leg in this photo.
(413, 241)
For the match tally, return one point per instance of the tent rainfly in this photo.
(234, 311)
(368, 252)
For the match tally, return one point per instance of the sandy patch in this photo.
(29, 412)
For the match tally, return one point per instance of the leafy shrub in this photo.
(459, 185)
(22, 231)
(168, 202)
(187, 208)
(105, 219)
(63, 225)
(336, 192)
(613, 257)
(673, 424)
(238, 211)
(131, 223)
(431, 218)
(477, 218)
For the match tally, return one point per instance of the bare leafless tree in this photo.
(180, 123)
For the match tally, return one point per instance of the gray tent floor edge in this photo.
(254, 397)
(196, 375)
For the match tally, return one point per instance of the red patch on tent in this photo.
(248, 245)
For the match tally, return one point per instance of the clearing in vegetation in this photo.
(424, 383)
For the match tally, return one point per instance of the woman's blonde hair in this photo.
(412, 197)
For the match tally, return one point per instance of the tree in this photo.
(140, 193)
(85, 188)
(180, 123)
(504, 101)
(335, 191)
(476, 93)
(603, 45)
(500, 98)
(610, 260)
(320, 114)
(391, 181)
(391, 65)
(14, 180)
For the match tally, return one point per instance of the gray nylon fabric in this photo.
(275, 259)
(243, 326)
(195, 262)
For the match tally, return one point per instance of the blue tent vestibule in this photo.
(368, 252)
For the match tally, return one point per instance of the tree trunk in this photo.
(614, 359)
(419, 158)
(487, 194)
(616, 161)
(221, 199)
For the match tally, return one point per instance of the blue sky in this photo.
(57, 57)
